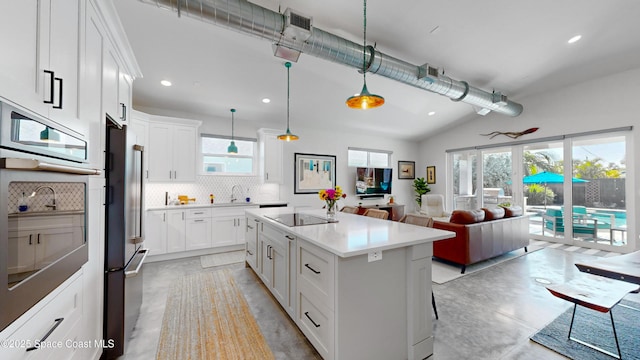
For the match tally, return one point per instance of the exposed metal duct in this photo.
(248, 18)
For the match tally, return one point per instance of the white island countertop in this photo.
(353, 234)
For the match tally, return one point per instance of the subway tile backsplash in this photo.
(219, 186)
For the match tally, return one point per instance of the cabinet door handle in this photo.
(51, 90)
(57, 322)
(310, 319)
(124, 112)
(289, 237)
(175, 174)
(198, 213)
(147, 172)
(198, 220)
(170, 174)
(249, 226)
(269, 252)
(30, 241)
(312, 269)
(249, 252)
(59, 106)
(183, 215)
(38, 240)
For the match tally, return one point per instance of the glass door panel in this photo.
(464, 180)
(599, 188)
(543, 166)
(496, 178)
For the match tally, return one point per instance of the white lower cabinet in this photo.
(276, 264)
(176, 236)
(198, 229)
(155, 238)
(229, 225)
(251, 241)
(54, 331)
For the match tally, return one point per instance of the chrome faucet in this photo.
(233, 192)
(53, 200)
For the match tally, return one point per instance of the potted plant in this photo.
(420, 187)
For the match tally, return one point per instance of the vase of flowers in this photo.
(331, 197)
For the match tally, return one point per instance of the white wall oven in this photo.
(43, 186)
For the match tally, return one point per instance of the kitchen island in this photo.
(359, 288)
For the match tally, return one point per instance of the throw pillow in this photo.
(493, 214)
(512, 211)
(466, 216)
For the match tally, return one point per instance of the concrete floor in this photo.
(489, 314)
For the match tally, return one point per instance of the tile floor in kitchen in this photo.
(489, 314)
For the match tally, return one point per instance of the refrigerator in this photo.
(124, 253)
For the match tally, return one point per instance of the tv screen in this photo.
(373, 181)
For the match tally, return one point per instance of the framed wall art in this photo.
(406, 169)
(313, 173)
(431, 174)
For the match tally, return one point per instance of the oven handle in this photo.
(33, 164)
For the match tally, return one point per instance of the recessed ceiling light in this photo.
(574, 39)
(431, 113)
(165, 82)
(266, 100)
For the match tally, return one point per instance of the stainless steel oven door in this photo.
(42, 230)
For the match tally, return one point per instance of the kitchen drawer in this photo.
(316, 272)
(67, 305)
(317, 323)
(281, 237)
(198, 213)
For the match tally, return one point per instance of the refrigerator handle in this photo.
(140, 148)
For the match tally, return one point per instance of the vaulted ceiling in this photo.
(515, 47)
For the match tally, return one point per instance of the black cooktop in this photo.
(297, 219)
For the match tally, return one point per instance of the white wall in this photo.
(330, 142)
(602, 103)
(335, 142)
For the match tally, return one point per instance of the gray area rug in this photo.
(595, 328)
(220, 259)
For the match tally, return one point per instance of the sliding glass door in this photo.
(599, 190)
(573, 188)
(543, 190)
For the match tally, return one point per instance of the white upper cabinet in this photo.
(271, 153)
(39, 70)
(172, 151)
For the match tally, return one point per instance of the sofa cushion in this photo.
(493, 214)
(511, 211)
(467, 216)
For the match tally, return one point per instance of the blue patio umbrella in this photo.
(548, 178)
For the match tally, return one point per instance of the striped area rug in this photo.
(207, 317)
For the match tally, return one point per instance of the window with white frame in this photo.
(369, 157)
(217, 161)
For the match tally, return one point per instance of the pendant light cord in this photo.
(288, 66)
(232, 112)
(364, 46)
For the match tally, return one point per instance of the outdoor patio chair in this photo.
(553, 220)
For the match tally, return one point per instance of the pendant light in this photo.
(365, 100)
(232, 149)
(288, 136)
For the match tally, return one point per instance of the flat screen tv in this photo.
(373, 181)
